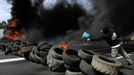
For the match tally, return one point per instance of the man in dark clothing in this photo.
(112, 39)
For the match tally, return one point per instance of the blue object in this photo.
(86, 35)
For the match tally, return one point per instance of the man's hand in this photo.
(89, 39)
(86, 36)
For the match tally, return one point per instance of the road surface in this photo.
(22, 67)
(13, 65)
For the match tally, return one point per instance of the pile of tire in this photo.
(13, 47)
(39, 53)
(54, 59)
(70, 61)
(92, 63)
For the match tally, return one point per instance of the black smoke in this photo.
(42, 19)
(117, 13)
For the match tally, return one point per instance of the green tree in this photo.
(3, 24)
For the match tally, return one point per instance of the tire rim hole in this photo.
(59, 51)
(88, 52)
(108, 60)
(72, 53)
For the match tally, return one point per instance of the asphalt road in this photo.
(23, 67)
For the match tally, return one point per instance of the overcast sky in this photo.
(4, 10)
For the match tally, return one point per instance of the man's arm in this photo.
(99, 38)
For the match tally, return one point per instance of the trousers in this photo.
(115, 50)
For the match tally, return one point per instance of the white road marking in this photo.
(11, 60)
(122, 56)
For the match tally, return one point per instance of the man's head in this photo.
(106, 30)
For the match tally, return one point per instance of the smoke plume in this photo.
(51, 18)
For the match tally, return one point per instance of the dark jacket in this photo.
(111, 37)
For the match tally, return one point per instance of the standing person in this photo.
(112, 39)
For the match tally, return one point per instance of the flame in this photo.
(12, 24)
(64, 45)
(12, 35)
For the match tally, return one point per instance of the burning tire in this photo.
(86, 68)
(73, 73)
(105, 65)
(71, 58)
(71, 68)
(86, 55)
(57, 53)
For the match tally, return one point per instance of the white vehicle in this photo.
(1, 33)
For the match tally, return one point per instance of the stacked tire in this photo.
(39, 53)
(86, 59)
(86, 55)
(72, 61)
(54, 59)
(13, 47)
(86, 68)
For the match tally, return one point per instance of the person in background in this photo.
(112, 38)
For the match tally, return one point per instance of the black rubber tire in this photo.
(86, 68)
(43, 46)
(39, 57)
(71, 58)
(57, 53)
(86, 54)
(16, 43)
(32, 57)
(71, 68)
(20, 54)
(43, 54)
(41, 43)
(106, 65)
(56, 65)
(72, 73)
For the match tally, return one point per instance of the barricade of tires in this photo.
(70, 61)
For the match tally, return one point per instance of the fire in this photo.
(11, 35)
(12, 24)
(10, 32)
(64, 45)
